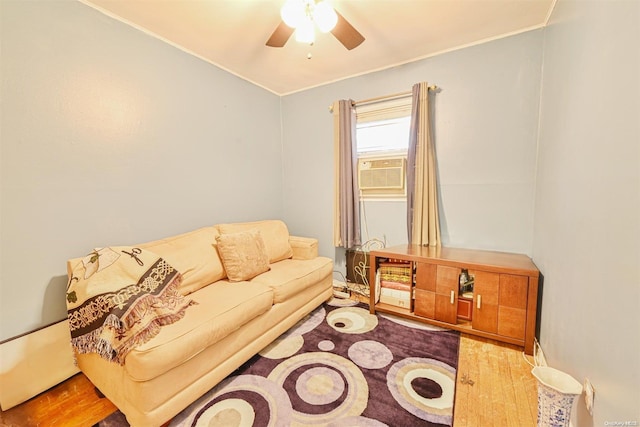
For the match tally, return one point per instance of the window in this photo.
(382, 138)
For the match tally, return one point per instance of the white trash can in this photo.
(556, 394)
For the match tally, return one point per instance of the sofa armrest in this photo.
(304, 247)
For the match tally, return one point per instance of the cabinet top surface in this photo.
(470, 257)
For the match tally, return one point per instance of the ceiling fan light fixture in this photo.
(325, 16)
(302, 16)
(305, 32)
(293, 12)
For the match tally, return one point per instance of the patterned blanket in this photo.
(119, 298)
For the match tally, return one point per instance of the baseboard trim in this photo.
(34, 362)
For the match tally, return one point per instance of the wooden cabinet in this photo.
(505, 291)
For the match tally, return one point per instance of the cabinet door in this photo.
(512, 305)
(425, 304)
(447, 285)
(485, 301)
(426, 276)
(425, 290)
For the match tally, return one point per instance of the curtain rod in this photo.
(386, 97)
(383, 98)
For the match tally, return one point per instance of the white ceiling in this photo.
(232, 33)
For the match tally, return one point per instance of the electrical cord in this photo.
(344, 280)
(527, 360)
(536, 352)
(361, 268)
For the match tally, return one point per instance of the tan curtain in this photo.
(423, 224)
(346, 214)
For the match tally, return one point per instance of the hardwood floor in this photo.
(73, 403)
(495, 388)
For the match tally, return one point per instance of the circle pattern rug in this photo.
(339, 366)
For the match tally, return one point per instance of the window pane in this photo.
(383, 135)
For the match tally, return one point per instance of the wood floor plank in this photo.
(510, 388)
(71, 403)
(461, 406)
(491, 412)
(525, 388)
(503, 406)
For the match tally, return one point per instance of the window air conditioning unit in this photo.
(379, 174)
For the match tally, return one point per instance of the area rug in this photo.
(339, 366)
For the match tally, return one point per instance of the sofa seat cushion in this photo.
(290, 276)
(222, 308)
(194, 255)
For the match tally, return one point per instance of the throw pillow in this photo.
(243, 254)
(274, 233)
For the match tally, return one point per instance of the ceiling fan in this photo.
(301, 17)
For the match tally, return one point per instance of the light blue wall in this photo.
(112, 137)
(486, 121)
(587, 216)
(384, 220)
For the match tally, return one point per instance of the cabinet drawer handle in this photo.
(479, 299)
(453, 295)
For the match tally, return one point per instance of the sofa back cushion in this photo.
(274, 234)
(194, 255)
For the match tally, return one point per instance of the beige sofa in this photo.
(231, 322)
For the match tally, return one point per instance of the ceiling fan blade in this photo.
(346, 34)
(280, 35)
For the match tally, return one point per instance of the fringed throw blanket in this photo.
(119, 298)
